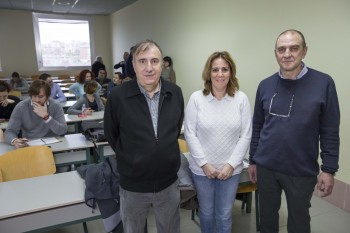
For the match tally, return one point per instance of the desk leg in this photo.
(78, 128)
(88, 155)
(85, 227)
(101, 153)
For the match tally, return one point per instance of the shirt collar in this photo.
(210, 97)
(300, 75)
(143, 90)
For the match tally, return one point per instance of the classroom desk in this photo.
(67, 143)
(61, 84)
(4, 147)
(65, 89)
(44, 203)
(69, 96)
(76, 120)
(103, 150)
(72, 142)
(65, 105)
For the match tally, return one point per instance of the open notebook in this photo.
(42, 141)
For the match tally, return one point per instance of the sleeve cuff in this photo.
(48, 119)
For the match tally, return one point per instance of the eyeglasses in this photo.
(280, 115)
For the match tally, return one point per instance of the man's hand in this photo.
(210, 171)
(252, 173)
(6, 102)
(20, 142)
(40, 110)
(226, 172)
(325, 183)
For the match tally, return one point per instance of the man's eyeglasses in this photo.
(281, 115)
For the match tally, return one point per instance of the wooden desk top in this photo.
(40, 193)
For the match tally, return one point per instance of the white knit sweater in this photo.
(218, 131)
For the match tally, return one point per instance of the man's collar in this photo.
(301, 73)
(145, 92)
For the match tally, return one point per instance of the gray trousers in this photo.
(134, 208)
(298, 191)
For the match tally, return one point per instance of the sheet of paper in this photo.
(50, 140)
(37, 142)
(43, 141)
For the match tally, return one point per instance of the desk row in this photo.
(72, 149)
(70, 119)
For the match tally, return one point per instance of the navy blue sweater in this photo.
(290, 145)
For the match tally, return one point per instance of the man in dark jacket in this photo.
(143, 119)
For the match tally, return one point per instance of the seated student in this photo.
(91, 100)
(37, 117)
(103, 80)
(117, 80)
(56, 91)
(18, 84)
(78, 88)
(7, 102)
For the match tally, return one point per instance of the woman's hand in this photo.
(226, 172)
(210, 171)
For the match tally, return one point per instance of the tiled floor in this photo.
(326, 218)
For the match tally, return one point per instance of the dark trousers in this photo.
(298, 191)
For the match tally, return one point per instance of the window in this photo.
(63, 42)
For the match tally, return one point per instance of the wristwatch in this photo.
(46, 117)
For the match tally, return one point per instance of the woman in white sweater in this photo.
(218, 132)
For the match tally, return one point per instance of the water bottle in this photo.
(83, 110)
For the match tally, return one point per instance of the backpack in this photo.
(94, 131)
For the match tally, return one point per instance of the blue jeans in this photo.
(216, 199)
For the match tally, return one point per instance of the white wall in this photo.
(190, 30)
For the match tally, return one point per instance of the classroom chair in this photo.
(63, 76)
(15, 93)
(26, 163)
(34, 77)
(247, 193)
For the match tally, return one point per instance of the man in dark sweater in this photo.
(7, 102)
(296, 112)
(143, 120)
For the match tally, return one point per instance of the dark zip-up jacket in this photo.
(146, 163)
